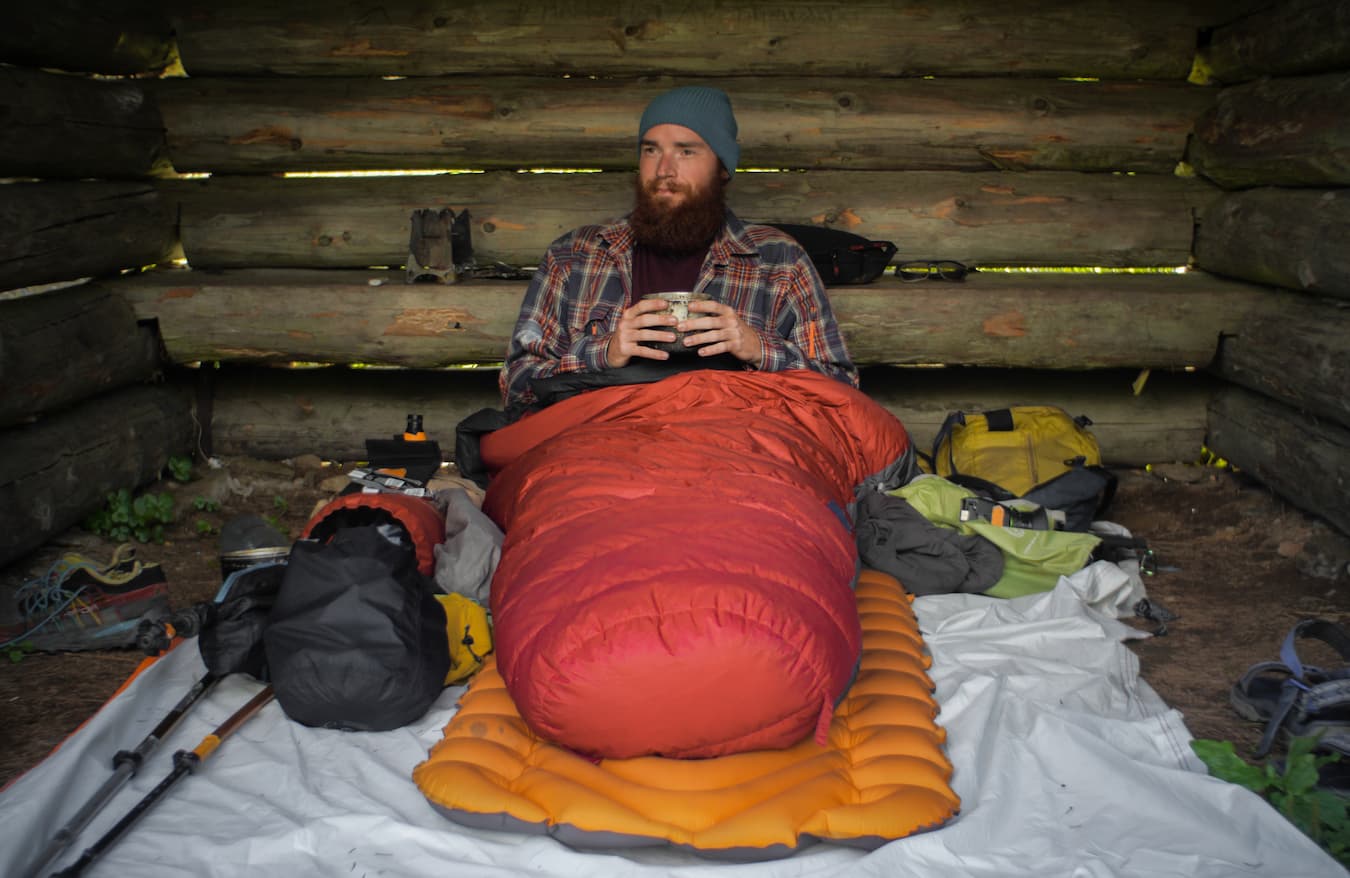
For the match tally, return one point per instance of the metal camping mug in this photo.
(677, 304)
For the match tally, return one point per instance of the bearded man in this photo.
(584, 311)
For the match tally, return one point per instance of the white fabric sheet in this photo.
(1067, 764)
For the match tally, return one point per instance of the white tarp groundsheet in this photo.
(1067, 764)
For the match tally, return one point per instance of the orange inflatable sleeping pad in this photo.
(883, 775)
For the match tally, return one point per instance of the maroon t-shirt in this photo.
(655, 272)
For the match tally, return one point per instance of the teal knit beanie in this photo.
(705, 111)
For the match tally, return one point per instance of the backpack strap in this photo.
(1108, 489)
(944, 433)
(983, 487)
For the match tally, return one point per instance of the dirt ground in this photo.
(1237, 565)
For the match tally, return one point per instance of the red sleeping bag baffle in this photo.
(678, 568)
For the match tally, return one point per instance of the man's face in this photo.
(674, 165)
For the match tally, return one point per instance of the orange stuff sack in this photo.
(416, 517)
(882, 775)
(677, 574)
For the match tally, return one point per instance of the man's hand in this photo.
(638, 324)
(719, 329)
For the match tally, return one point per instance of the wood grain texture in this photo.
(58, 348)
(1038, 321)
(1148, 39)
(1290, 38)
(61, 127)
(1299, 356)
(1305, 460)
(1293, 238)
(55, 472)
(278, 413)
(65, 230)
(272, 124)
(1290, 131)
(1038, 218)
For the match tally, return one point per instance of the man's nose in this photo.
(665, 165)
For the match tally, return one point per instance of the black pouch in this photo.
(841, 258)
(356, 639)
(231, 639)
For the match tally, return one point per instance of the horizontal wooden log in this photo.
(1297, 358)
(1149, 39)
(60, 347)
(62, 126)
(89, 36)
(1163, 423)
(1293, 131)
(326, 317)
(277, 413)
(1290, 38)
(239, 126)
(1304, 460)
(1049, 321)
(54, 473)
(61, 231)
(1293, 238)
(1042, 218)
(281, 413)
(1072, 321)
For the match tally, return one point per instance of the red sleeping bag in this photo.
(678, 567)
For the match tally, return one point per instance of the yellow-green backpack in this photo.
(1039, 453)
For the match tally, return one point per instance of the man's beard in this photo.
(682, 228)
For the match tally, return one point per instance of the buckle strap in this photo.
(1323, 697)
(1319, 629)
(1289, 694)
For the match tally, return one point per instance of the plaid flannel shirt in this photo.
(581, 288)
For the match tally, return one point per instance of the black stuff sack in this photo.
(231, 639)
(356, 639)
(841, 258)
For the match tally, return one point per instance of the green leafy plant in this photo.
(16, 651)
(205, 528)
(205, 504)
(141, 518)
(1320, 813)
(282, 507)
(180, 468)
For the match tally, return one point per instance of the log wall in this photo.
(1033, 321)
(1290, 38)
(1278, 141)
(56, 350)
(249, 126)
(268, 412)
(1146, 39)
(57, 470)
(995, 133)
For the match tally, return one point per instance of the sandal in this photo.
(1301, 700)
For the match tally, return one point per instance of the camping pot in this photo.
(677, 303)
(232, 562)
(249, 540)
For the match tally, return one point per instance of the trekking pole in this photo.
(184, 763)
(125, 765)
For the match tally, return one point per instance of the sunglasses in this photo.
(944, 269)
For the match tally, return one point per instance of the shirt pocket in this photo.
(597, 320)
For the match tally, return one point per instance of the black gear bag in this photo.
(841, 258)
(356, 639)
